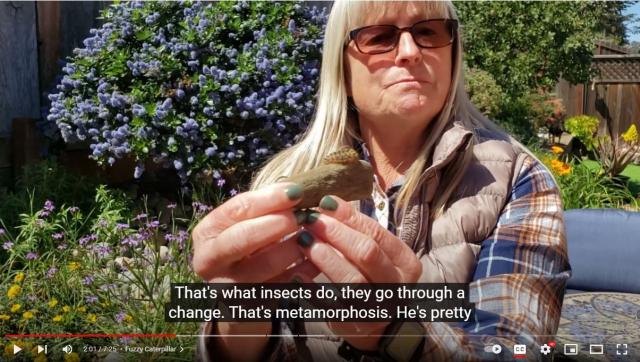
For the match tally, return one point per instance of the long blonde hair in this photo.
(334, 125)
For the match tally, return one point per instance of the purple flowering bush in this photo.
(216, 86)
(108, 271)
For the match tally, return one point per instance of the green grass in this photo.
(632, 172)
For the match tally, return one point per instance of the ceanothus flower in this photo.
(147, 87)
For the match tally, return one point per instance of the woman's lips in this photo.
(407, 81)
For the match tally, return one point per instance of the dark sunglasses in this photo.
(377, 39)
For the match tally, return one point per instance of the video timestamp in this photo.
(89, 348)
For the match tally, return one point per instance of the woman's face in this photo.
(408, 84)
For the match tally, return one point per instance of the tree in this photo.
(611, 18)
(527, 46)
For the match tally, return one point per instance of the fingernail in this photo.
(296, 280)
(328, 203)
(301, 216)
(312, 217)
(305, 239)
(294, 192)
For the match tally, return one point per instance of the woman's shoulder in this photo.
(495, 145)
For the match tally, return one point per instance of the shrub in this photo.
(547, 112)
(195, 86)
(617, 153)
(108, 272)
(515, 116)
(583, 127)
(483, 91)
(613, 152)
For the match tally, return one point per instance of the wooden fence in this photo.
(613, 95)
(34, 36)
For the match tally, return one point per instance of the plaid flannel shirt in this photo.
(521, 274)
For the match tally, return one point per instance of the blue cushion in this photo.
(604, 249)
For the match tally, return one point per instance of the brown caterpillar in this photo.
(343, 156)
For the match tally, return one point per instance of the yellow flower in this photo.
(18, 278)
(27, 315)
(560, 167)
(4, 317)
(14, 291)
(71, 357)
(557, 149)
(57, 318)
(92, 318)
(15, 308)
(74, 265)
(40, 358)
(564, 170)
(128, 318)
(631, 135)
(53, 302)
(82, 309)
(66, 309)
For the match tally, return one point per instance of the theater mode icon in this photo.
(596, 349)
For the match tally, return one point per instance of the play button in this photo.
(16, 349)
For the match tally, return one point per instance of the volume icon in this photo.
(67, 349)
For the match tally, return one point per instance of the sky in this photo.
(635, 9)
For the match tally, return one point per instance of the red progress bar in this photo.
(91, 335)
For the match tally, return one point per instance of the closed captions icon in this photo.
(520, 351)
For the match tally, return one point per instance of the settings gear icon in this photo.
(545, 349)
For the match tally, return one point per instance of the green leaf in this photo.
(143, 35)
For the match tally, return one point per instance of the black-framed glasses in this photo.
(377, 39)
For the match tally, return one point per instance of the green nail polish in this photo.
(305, 239)
(296, 280)
(328, 203)
(294, 192)
(312, 217)
(301, 216)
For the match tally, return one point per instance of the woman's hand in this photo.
(370, 254)
(238, 242)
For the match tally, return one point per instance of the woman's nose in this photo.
(408, 51)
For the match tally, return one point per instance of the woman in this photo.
(455, 200)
